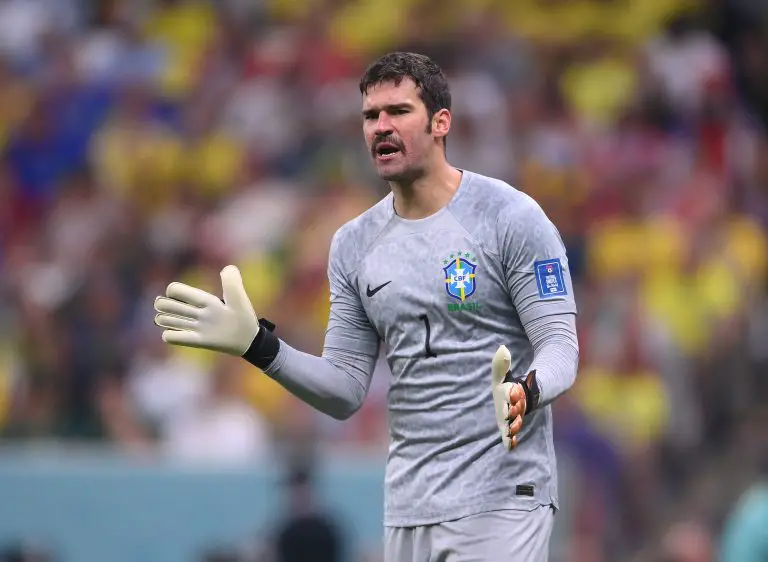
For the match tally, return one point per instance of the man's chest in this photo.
(428, 292)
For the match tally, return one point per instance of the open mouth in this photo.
(386, 150)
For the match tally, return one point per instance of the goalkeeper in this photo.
(466, 281)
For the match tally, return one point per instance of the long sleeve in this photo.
(338, 382)
(539, 283)
(555, 354)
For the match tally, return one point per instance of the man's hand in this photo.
(510, 398)
(194, 318)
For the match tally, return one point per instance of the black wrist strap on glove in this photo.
(264, 347)
(531, 389)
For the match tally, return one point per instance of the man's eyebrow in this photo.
(390, 107)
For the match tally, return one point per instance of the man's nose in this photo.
(383, 125)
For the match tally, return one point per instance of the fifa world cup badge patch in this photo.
(549, 278)
(460, 277)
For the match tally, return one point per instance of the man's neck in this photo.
(428, 194)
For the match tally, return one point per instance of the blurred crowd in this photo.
(143, 141)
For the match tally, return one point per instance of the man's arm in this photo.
(338, 382)
(555, 354)
(539, 282)
(335, 384)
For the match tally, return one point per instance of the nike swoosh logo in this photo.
(370, 292)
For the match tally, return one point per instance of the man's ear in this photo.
(441, 123)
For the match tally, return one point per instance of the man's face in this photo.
(397, 130)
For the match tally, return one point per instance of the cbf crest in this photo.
(460, 275)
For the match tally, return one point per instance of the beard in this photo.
(399, 172)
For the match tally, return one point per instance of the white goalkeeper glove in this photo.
(194, 318)
(512, 400)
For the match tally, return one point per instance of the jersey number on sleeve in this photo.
(427, 349)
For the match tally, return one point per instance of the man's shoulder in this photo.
(353, 237)
(369, 223)
(495, 199)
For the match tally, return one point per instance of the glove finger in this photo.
(182, 337)
(233, 289)
(170, 306)
(174, 322)
(500, 365)
(191, 295)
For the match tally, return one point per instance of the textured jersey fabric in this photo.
(443, 293)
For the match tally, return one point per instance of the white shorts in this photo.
(497, 536)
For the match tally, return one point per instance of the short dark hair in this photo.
(425, 73)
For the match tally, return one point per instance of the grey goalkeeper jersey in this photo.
(443, 293)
